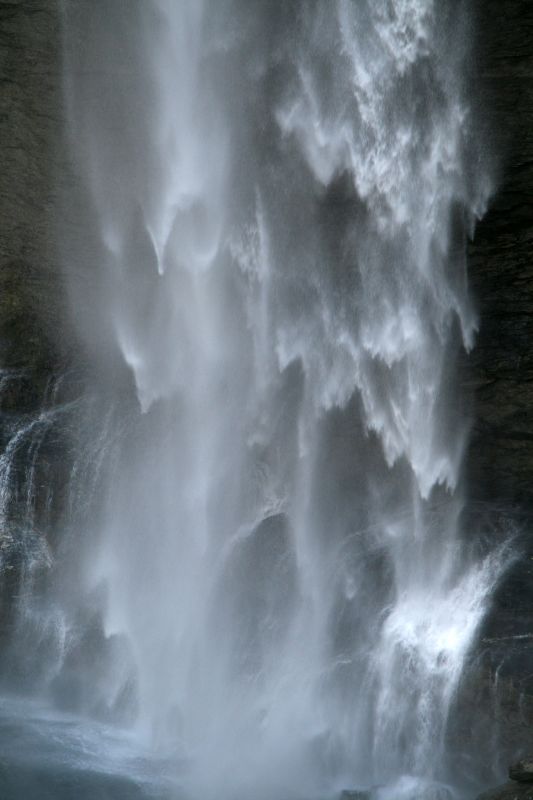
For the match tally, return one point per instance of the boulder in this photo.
(522, 771)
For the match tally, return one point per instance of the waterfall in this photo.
(270, 283)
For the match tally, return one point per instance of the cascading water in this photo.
(278, 199)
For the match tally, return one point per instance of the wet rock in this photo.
(493, 713)
(354, 794)
(509, 791)
(494, 710)
(500, 368)
(522, 771)
(23, 781)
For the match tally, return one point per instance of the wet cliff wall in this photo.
(38, 353)
(497, 697)
(31, 169)
(37, 344)
(500, 368)
(34, 333)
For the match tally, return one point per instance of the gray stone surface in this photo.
(509, 791)
(522, 771)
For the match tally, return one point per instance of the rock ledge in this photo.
(522, 771)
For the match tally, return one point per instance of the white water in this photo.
(278, 199)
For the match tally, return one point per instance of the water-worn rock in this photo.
(522, 771)
(509, 791)
(354, 794)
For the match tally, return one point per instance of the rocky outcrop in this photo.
(509, 791)
(522, 771)
(520, 787)
(355, 794)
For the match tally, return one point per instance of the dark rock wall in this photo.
(30, 170)
(496, 701)
(500, 368)
(36, 342)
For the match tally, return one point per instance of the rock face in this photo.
(496, 701)
(500, 368)
(522, 771)
(36, 343)
(509, 791)
(30, 165)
